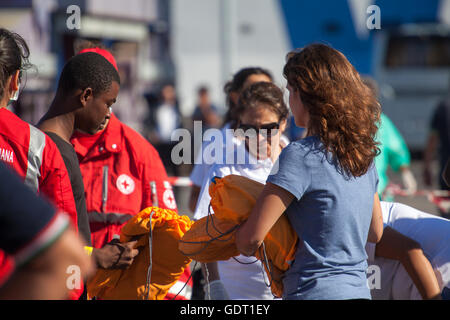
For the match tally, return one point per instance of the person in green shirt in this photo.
(394, 153)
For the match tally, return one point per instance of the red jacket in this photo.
(118, 166)
(36, 158)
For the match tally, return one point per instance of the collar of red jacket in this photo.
(109, 139)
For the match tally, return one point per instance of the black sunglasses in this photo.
(265, 129)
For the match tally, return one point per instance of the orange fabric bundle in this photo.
(232, 199)
(168, 263)
(196, 242)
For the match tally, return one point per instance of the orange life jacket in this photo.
(212, 238)
(168, 263)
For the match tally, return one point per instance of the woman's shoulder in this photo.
(306, 142)
(309, 146)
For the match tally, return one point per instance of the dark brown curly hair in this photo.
(343, 112)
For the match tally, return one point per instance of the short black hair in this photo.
(87, 70)
(236, 85)
(202, 90)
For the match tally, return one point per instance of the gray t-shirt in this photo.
(331, 214)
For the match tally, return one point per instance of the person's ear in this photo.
(234, 96)
(86, 95)
(15, 81)
(283, 125)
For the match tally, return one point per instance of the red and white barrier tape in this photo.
(440, 198)
(180, 181)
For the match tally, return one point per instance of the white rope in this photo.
(149, 270)
(208, 292)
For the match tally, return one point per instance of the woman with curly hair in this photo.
(326, 183)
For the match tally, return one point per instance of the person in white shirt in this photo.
(262, 119)
(164, 119)
(431, 232)
(241, 80)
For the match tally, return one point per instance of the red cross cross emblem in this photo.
(125, 184)
(169, 199)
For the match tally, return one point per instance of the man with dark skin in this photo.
(87, 89)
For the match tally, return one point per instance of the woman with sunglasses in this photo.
(260, 120)
(233, 88)
(326, 183)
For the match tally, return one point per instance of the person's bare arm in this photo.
(210, 271)
(408, 179)
(396, 246)
(376, 225)
(446, 173)
(270, 205)
(195, 192)
(214, 287)
(45, 277)
(428, 156)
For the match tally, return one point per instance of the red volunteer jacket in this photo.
(36, 158)
(118, 166)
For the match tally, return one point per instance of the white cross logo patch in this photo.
(169, 199)
(125, 184)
